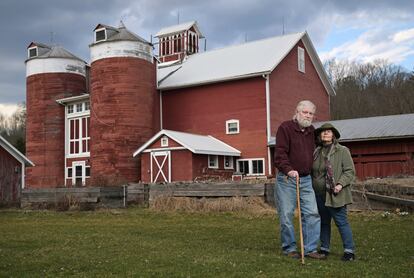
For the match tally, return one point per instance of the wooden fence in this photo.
(144, 194)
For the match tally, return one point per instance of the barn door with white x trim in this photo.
(161, 166)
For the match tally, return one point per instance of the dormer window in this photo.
(32, 52)
(100, 35)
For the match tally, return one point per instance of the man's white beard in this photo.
(304, 122)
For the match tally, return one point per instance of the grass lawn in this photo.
(143, 243)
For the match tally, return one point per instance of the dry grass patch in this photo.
(250, 205)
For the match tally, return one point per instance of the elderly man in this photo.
(293, 158)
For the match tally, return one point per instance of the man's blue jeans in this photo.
(285, 196)
(341, 220)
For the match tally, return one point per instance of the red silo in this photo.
(124, 103)
(51, 73)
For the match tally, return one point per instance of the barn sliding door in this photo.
(160, 166)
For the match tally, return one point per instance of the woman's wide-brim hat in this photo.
(327, 126)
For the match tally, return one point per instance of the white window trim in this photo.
(251, 166)
(30, 48)
(301, 59)
(216, 164)
(80, 139)
(228, 122)
(83, 177)
(76, 114)
(98, 30)
(231, 162)
(164, 141)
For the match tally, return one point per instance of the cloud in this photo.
(374, 44)
(404, 35)
(223, 22)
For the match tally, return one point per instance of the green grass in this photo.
(142, 243)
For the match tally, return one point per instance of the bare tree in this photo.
(371, 89)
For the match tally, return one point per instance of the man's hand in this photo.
(293, 174)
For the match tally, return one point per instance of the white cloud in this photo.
(375, 44)
(404, 35)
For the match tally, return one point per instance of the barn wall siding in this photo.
(288, 86)
(205, 110)
(10, 178)
(382, 158)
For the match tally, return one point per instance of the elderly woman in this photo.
(333, 172)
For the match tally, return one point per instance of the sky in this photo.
(361, 30)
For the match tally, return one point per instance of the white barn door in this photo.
(160, 166)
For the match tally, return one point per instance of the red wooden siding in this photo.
(288, 86)
(10, 177)
(383, 158)
(205, 110)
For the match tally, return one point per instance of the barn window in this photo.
(164, 141)
(70, 109)
(87, 171)
(32, 52)
(232, 127)
(228, 162)
(213, 161)
(251, 166)
(69, 172)
(79, 135)
(100, 35)
(79, 107)
(301, 59)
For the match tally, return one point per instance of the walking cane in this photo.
(300, 220)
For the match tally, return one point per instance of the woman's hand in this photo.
(337, 188)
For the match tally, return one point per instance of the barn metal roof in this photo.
(200, 144)
(179, 28)
(63, 101)
(14, 152)
(241, 61)
(374, 128)
(371, 128)
(55, 52)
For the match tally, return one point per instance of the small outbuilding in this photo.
(380, 146)
(12, 171)
(179, 156)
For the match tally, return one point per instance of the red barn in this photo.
(380, 146)
(12, 172)
(179, 156)
(99, 115)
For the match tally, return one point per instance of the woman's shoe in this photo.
(348, 257)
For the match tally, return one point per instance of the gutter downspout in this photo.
(160, 109)
(268, 130)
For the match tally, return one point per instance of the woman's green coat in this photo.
(344, 174)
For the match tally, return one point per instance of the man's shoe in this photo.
(316, 256)
(347, 257)
(293, 255)
(323, 252)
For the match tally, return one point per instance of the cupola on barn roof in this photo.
(171, 30)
